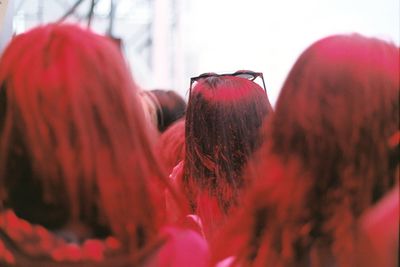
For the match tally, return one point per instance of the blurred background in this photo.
(168, 41)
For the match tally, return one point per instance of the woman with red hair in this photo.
(222, 124)
(325, 158)
(80, 183)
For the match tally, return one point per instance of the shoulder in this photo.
(381, 222)
(226, 262)
(183, 248)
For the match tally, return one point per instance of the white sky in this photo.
(268, 36)
(260, 35)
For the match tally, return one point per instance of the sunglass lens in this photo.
(246, 76)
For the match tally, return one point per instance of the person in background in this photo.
(324, 161)
(80, 182)
(164, 107)
(223, 117)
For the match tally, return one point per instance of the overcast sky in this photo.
(261, 35)
(268, 36)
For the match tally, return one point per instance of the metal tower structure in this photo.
(148, 29)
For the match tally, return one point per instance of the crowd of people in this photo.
(96, 172)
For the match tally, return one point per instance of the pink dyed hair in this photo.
(73, 127)
(325, 159)
(172, 144)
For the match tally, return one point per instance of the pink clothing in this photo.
(226, 262)
(184, 249)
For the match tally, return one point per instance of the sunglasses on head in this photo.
(245, 74)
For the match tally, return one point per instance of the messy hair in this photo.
(74, 144)
(325, 158)
(223, 118)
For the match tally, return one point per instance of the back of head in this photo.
(341, 100)
(223, 117)
(170, 107)
(74, 145)
(326, 156)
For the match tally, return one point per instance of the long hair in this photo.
(222, 124)
(325, 158)
(74, 144)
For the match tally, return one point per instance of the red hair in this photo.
(325, 158)
(172, 144)
(73, 129)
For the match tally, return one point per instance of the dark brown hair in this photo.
(222, 122)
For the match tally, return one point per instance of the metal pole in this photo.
(110, 29)
(70, 11)
(90, 14)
